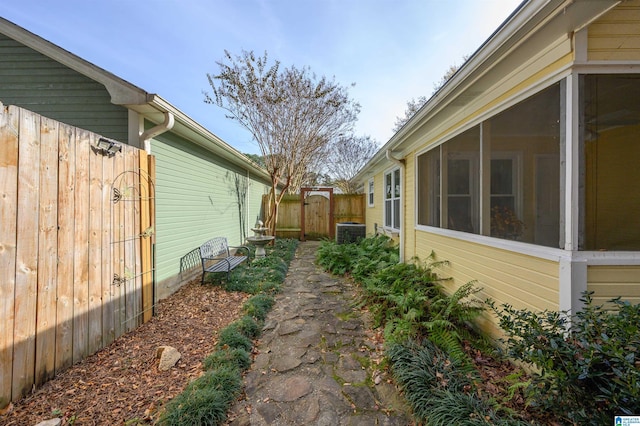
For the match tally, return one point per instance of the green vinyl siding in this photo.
(256, 190)
(195, 200)
(36, 82)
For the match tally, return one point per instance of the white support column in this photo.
(573, 282)
(573, 268)
(572, 169)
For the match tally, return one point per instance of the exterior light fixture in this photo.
(108, 147)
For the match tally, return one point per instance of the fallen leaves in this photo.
(122, 382)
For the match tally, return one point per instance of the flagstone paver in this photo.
(315, 362)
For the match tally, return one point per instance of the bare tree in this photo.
(348, 155)
(415, 104)
(290, 113)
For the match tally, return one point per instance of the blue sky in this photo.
(393, 50)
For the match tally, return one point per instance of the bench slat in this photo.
(223, 266)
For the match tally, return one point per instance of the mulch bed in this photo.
(121, 384)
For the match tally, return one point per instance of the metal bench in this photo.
(216, 257)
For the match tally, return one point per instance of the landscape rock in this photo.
(169, 356)
(50, 422)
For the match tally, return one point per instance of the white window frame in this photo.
(474, 190)
(392, 199)
(370, 193)
(516, 184)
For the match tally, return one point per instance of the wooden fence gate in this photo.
(76, 241)
(317, 213)
(319, 217)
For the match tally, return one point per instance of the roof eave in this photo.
(190, 129)
(149, 105)
(528, 17)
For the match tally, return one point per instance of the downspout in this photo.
(401, 164)
(145, 138)
(145, 141)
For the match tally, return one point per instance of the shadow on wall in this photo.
(189, 262)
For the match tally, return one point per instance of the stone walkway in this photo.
(317, 359)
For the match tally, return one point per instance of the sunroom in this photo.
(549, 173)
(521, 172)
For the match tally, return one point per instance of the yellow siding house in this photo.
(523, 170)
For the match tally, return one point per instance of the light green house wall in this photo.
(196, 200)
(256, 190)
(33, 81)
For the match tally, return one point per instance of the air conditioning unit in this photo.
(350, 232)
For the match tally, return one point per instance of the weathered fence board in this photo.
(66, 248)
(63, 242)
(145, 249)
(349, 208)
(47, 252)
(108, 312)
(81, 256)
(8, 218)
(117, 253)
(26, 287)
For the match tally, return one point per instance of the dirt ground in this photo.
(121, 384)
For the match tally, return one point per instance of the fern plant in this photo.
(449, 316)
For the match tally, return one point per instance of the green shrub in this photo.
(361, 258)
(449, 316)
(258, 306)
(204, 401)
(232, 337)
(588, 363)
(400, 291)
(249, 326)
(238, 358)
(264, 275)
(408, 301)
(376, 254)
(336, 258)
(439, 390)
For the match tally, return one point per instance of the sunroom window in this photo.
(501, 177)
(611, 157)
(461, 177)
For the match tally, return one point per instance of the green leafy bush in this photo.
(264, 275)
(399, 291)
(336, 258)
(408, 301)
(237, 357)
(361, 258)
(589, 365)
(439, 390)
(376, 254)
(258, 306)
(204, 401)
(249, 326)
(232, 337)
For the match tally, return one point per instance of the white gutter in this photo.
(145, 138)
(400, 163)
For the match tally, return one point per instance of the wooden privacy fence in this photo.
(346, 208)
(76, 241)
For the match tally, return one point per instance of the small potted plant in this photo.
(505, 223)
